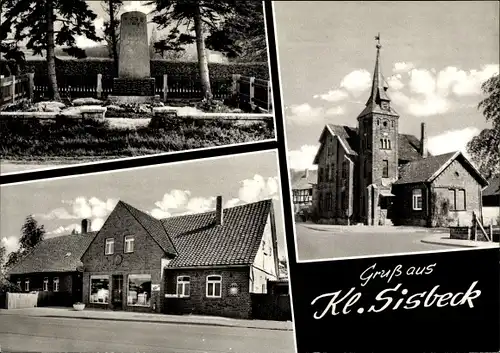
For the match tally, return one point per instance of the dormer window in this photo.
(129, 244)
(384, 106)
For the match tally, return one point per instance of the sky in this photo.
(162, 191)
(434, 56)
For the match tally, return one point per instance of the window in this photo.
(385, 168)
(45, 284)
(139, 290)
(55, 284)
(457, 200)
(129, 243)
(214, 284)
(417, 199)
(19, 283)
(110, 246)
(385, 144)
(99, 289)
(460, 200)
(183, 286)
(27, 285)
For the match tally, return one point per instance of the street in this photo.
(43, 334)
(322, 242)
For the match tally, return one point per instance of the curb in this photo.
(456, 245)
(436, 242)
(163, 322)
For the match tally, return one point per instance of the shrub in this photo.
(93, 66)
(7, 286)
(35, 139)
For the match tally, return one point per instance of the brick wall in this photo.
(331, 162)
(238, 306)
(146, 258)
(403, 211)
(460, 233)
(455, 176)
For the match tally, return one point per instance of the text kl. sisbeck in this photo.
(393, 298)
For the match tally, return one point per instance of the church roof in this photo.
(408, 146)
(428, 169)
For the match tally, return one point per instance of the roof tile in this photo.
(200, 242)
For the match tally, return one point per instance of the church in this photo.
(375, 175)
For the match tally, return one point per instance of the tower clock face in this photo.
(384, 106)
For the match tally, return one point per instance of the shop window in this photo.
(99, 289)
(139, 290)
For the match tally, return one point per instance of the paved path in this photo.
(326, 241)
(94, 314)
(41, 334)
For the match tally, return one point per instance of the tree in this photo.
(283, 268)
(203, 18)
(31, 235)
(111, 29)
(3, 254)
(485, 148)
(242, 35)
(45, 24)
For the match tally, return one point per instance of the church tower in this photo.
(378, 149)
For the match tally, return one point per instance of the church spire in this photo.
(378, 91)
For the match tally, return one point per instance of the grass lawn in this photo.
(67, 138)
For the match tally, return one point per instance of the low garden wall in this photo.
(460, 233)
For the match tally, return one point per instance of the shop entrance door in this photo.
(117, 296)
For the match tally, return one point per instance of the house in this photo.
(491, 202)
(53, 268)
(209, 263)
(367, 173)
(303, 189)
(443, 190)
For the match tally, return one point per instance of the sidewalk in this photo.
(441, 239)
(372, 229)
(91, 314)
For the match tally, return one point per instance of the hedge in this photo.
(92, 67)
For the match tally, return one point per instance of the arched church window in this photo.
(392, 123)
(382, 143)
(378, 121)
(385, 123)
(389, 144)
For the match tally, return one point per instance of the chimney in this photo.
(307, 173)
(85, 226)
(219, 212)
(423, 140)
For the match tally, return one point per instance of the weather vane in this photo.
(377, 38)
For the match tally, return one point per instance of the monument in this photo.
(134, 83)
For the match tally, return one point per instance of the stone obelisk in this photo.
(134, 82)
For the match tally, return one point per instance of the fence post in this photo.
(31, 85)
(269, 96)
(252, 92)
(13, 89)
(165, 87)
(99, 85)
(235, 88)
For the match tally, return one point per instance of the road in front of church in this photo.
(315, 242)
(44, 334)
